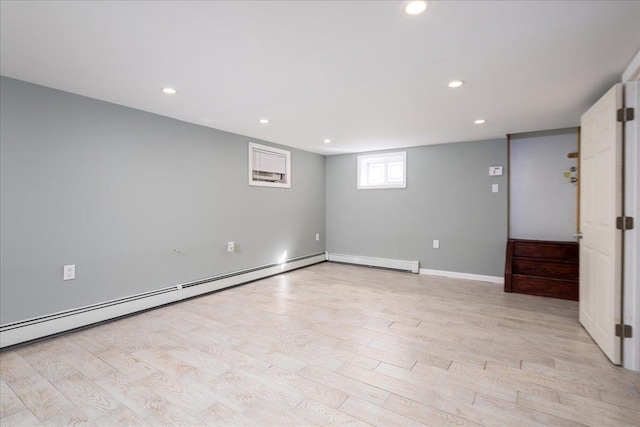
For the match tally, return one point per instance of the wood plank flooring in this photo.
(326, 345)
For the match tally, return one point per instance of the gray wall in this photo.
(448, 197)
(118, 191)
(543, 201)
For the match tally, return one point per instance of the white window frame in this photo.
(386, 159)
(253, 147)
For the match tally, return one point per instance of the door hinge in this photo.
(624, 223)
(625, 114)
(623, 331)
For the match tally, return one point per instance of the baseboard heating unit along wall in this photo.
(40, 327)
(396, 264)
(412, 266)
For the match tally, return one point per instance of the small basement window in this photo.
(384, 170)
(269, 166)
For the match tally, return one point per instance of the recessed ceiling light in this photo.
(415, 7)
(480, 121)
(455, 83)
(169, 90)
(264, 121)
(327, 141)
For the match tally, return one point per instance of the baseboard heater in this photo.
(44, 326)
(396, 264)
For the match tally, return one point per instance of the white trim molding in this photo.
(396, 264)
(632, 71)
(466, 276)
(631, 285)
(40, 327)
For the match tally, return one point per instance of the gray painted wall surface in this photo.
(543, 202)
(137, 201)
(448, 197)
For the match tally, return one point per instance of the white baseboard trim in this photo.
(40, 327)
(467, 276)
(397, 264)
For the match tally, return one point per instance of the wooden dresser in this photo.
(543, 268)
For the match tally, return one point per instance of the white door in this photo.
(600, 204)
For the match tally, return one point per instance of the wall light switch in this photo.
(495, 170)
(494, 188)
(69, 272)
(317, 237)
(436, 244)
(231, 247)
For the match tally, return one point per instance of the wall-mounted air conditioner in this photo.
(269, 167)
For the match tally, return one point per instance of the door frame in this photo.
(631, 283)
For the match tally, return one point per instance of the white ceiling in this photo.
(362, 73)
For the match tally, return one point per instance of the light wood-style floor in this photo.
(328, 345)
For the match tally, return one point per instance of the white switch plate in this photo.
(69, 272)
(231, 246)
(317, 237)
(495, 170)
(494, 188)
(436, 244)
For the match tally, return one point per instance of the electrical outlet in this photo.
(436, 244)
(494, 188)
(69, 272)
(231, 247)
(317, 237)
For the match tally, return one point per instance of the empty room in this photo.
(301, 213)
